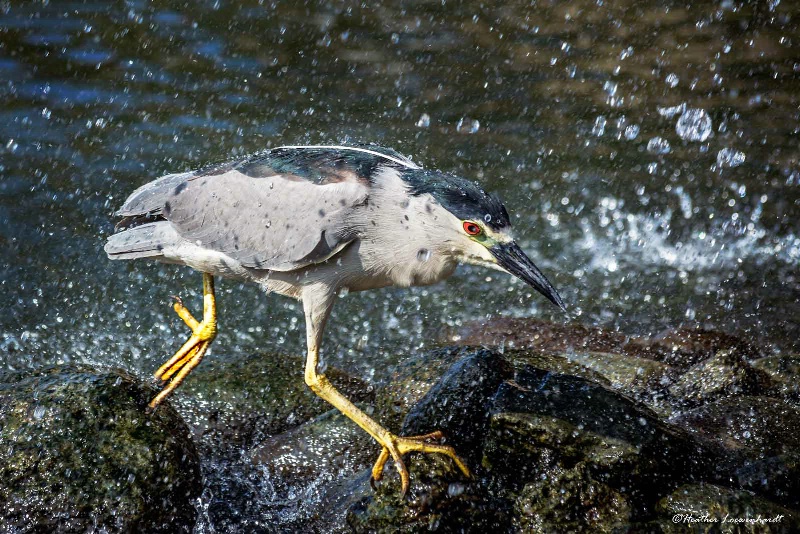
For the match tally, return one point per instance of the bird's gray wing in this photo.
(265, 220)
(280, 209)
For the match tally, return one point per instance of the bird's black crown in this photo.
(463, 198)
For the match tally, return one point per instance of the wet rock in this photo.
(79, 452)
(549, 421)
(557, 363)
(411, 380)
(763, 431)
(303, 462)
(643, 379)
(558, 436)
(686, 347)
(707, 506)
(556, 474)
(777, 477)
(726, 373)
(784, 370)
(547, 449)
(441, 497)
(240, 402)
(570, 500)
(530, 333)
(235, 408)
(763, 426)
(459, 404)
(680, 348)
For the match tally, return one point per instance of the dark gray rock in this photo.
(459, 404)
(684, 347)
(784, 370)
(411, 380)
(238, 402)
(79, 452)
(727, 373)
(760, 426)
(571, 500)
(441, 497)
(547, 421)
(720, 509)
(680, 348)
(643, 379)
(548, 450)
(260, 406)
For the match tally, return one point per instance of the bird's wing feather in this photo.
(279, 209)
(149, 199)
(277, 222)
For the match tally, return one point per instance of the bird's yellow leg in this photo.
(192, 352)
(394, 446)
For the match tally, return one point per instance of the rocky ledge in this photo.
(566, 428)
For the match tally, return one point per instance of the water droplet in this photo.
(694, 125)
(599, 127)
(672, 80)
(467, 125)
(729, 157)
(631, 132)
(455, 489)
(424, 121)
(38, 413)
(487, 218)
(671, 111)
(658, 145)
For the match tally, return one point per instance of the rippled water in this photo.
(648, 153)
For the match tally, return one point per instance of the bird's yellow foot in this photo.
(397, 446)
(190, 354)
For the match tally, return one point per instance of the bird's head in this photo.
(478, 230)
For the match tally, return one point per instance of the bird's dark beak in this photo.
(511, 258)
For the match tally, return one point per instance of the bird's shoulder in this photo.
(318, 164)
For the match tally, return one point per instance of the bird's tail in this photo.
(144, 241)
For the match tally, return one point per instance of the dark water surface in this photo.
(648, 153)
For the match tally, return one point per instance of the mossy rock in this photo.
(643, 379)
(79, 451)
(440, 499)
(411, 380)
(679, 348)
(570, 500)
(785, 373)
(763, 426)
(725, 374)
(712, 508)
(236, 403)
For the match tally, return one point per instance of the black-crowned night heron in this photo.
(307, 222)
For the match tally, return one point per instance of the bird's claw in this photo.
(397, 446)
(190, 354)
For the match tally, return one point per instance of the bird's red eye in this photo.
(471, 228)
